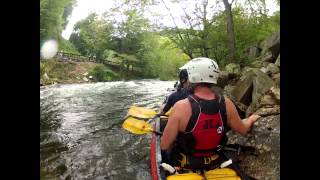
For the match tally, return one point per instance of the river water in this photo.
(81, 135)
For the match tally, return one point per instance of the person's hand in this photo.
(254, 117)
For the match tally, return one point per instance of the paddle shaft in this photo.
(157, 132)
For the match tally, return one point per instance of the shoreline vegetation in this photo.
(70, 72)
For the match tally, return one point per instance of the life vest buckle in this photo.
(219, 147)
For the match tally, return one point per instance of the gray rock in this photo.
(268, 100)
(273, 44)
(85, 74)
(267, 144)
(253, 51)
(85, 79)
(45, 76)
(263, 69)
(270, 48)
(256, 64)
(250, 88)
(267, 57)
(275, 92)
(223, 79)
(243, 89)
(261, 84)
(276, 79)
(252, 84)
(272, 69)
(246, 69)
(265, 64)
(278, 61)
(227, 91)
(268, 111)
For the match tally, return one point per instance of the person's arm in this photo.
(172, 128)
(169, 103)
(234, 120)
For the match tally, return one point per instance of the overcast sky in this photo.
(84, 7)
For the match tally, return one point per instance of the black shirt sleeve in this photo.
(170, 102)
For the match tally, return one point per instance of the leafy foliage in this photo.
(103, 73)
(53, 18)
(124, 35)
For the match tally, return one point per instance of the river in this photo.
(81, 135)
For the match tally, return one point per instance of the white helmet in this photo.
(202, 70)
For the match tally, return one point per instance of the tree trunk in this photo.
(230, 31)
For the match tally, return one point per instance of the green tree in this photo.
(92, 36)
(160, 57)
(230, 30)
(53, 18)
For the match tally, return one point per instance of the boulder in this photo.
(85, 74)
(85, 79)
(268, 110)
(243, 89)
(267, 57)
(272, 69)
(233, 68)
(265, 138)
(253, 51)
(251, 87)
(278, 61)
(223, 79)
(270, 48)
(273, 44)
(228, 89)
(263, 69)
(275, 92)
(265, 64)
(261, 84)
(256, 64)
(227, 78)
(276, 79)
(45, 76)
(246, 69)
(268, 100)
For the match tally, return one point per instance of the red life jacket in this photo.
(206, 128)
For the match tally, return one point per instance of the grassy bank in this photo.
(53, 71)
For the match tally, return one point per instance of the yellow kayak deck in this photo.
(216, 174)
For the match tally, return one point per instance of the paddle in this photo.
(136, 126)
(141, 112)
(134, 123)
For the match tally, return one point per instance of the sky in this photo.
(84, 7)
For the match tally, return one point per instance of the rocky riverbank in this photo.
(256, 90)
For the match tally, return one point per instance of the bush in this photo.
(108, 54)
(102, 73)
(68, 47)
(43, 68)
